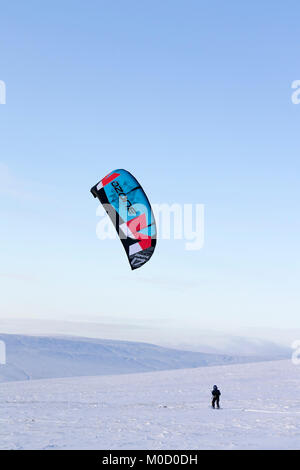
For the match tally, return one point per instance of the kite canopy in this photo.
(129, 209)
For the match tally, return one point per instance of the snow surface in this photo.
(156, 410)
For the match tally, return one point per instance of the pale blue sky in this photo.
(192, 97)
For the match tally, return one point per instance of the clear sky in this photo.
(192, 97)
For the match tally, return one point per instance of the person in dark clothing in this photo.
(215, 397)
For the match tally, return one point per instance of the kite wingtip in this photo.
(93, 192)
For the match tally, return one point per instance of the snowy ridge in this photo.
(34, 357)
(264, 343)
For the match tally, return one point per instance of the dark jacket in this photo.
(216, 392)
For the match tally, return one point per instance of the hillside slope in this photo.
(34, 357)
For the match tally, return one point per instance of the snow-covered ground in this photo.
(156, 410)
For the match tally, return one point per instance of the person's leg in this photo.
(218, 402)
(213, 402)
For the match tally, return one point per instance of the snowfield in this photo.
(156, 410)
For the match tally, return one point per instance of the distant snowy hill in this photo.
(34, 357)
(156, 410)
(266, 343)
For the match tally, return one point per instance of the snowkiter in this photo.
(215, 397)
